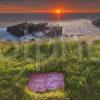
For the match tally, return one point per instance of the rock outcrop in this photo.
(96, 22)
(23, 29)
(26, 28)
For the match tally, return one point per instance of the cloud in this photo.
(49, 5)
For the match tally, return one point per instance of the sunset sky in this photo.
(33, 6)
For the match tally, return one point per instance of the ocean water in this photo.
(8, 19)
(71, 23)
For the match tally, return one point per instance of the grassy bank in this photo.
(78, 61)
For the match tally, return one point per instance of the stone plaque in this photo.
(44, 82)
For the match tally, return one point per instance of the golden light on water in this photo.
(58, 13)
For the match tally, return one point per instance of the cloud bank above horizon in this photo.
(31, 6)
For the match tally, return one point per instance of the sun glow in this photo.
(58, 11)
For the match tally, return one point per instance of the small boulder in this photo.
(96, 22)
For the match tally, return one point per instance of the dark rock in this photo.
(30, 28)
(19, 30)
(26, 28)
(37, 27)
(56, 31)
(96, 22)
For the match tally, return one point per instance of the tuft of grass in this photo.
(51, 95)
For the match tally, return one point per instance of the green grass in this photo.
(54, 95)
(78, 61)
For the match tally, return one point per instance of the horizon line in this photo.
(45, 12)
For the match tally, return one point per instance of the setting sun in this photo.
(58, 11)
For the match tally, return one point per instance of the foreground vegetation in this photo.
(78, 61)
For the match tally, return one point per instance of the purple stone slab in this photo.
(44, 82)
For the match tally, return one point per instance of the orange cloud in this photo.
(17, 9)
(24, 9)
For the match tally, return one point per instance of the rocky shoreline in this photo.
(37, 30)
(26, 32)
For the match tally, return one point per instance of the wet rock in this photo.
(26, 28)
(38, 30)
(19, 30)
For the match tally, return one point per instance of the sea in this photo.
(13, 18)
(72, 23)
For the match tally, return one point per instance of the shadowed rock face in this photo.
(96, 22)
(26, 28)
(30, 28)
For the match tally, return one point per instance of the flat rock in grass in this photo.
(46, 82)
